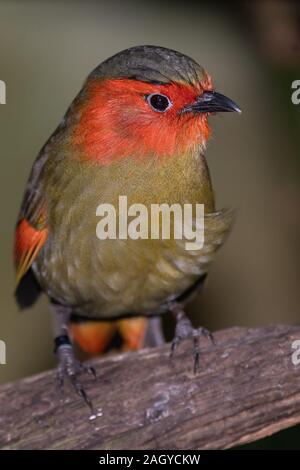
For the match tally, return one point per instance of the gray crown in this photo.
(150, 64)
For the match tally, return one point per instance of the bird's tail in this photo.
(95, 337)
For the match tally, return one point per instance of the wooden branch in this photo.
(247, 388)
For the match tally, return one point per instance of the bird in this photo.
(139, 127)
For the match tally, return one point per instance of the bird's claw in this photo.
(71, 368)
(185, 329)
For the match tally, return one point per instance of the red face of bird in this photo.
(136, 114)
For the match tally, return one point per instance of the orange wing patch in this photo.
(28, 242)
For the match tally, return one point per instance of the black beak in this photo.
(212, 102)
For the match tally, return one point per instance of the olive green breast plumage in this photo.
(112, 277)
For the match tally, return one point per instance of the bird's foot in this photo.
(184, 329)
(69, 367)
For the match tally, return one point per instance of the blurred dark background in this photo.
(252, 50)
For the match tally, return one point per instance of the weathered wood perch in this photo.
(247, 388)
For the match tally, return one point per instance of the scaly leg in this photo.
(154, 334)
(68, 365)
(185, 329)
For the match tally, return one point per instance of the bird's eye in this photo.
(159, 102)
